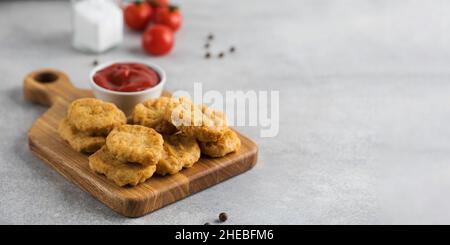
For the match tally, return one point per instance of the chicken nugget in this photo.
(79, 141)
(228, 143)
(214, 124)
(180, 151)
(119, 171)
(135, 143)
(150, 113)
(94, 116)
(182, 111)
(204, 124)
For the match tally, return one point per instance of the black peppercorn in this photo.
(207, 55)
(207, 223)
(210, 36)
(223, 217)
(232, 49)
(221, 54)
(207, 45)
(95, 62)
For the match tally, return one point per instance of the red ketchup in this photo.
(126, 77)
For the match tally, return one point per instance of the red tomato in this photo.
(158, 13)
(158, 40)
(137, 15)
(170, 17)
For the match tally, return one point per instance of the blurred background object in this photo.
(97, 25)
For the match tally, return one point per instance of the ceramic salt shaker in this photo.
(97, 25)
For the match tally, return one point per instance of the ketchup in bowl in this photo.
(126, 77)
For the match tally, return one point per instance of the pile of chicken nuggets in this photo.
(164, 135)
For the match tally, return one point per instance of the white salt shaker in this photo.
(97, 25)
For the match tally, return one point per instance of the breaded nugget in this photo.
(204, 124)
(228, 143)
(94, 116)
(150, 113)
(135, 143)
(119, 171)
(214, 120)
(181, 110)
(79, 141)
(179, 151)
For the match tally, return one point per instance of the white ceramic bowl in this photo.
(127, 100)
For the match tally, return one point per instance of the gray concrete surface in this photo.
(364, 112)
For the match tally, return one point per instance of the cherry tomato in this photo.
(158, 6)
(158, 12)
(158, 40)
(170, 17)
(138, 15)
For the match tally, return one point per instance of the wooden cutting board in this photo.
(53, 88)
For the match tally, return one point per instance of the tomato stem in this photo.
(153, 3)
(173, 8)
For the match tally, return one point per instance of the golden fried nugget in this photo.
(119, 171)
(94, 116)
(135, 143)
(204, 124)
(181, 111)
(79, 141)
(150, 113)
(228, 143)
(179, 151)
(214, 121)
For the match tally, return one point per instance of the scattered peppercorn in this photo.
(207, 223)
(207, 55)
(95, 63)
(210, 36)
(207, 45)
(223, 217)
(221, 54)
(232, 49)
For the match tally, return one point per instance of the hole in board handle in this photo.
(46, 77)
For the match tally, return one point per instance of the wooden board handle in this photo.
(44, 86)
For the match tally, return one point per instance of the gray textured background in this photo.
(364, 135)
